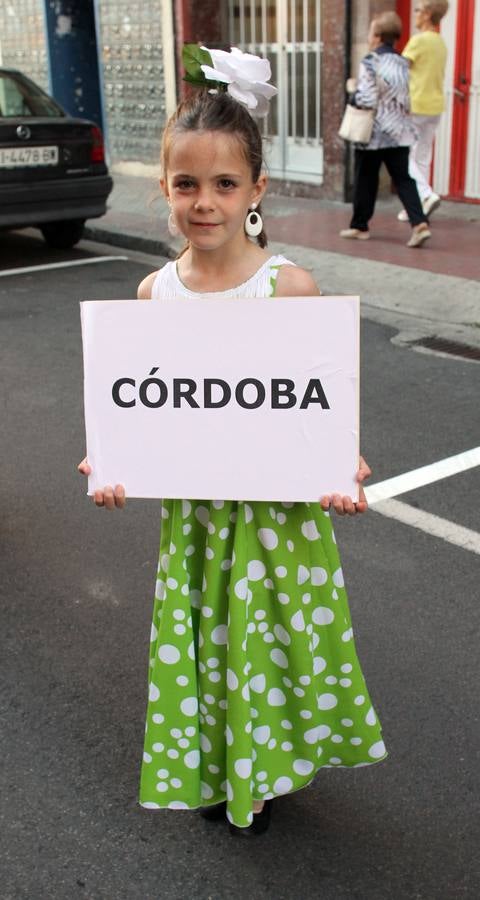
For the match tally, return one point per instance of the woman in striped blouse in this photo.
(382, 85)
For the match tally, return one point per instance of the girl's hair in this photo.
(217, 112)
(436, 9)
(388, 27)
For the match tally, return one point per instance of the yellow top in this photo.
(427, 53)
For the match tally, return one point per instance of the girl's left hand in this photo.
(345, 505)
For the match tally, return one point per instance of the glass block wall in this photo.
(131, 58)
(23, 40)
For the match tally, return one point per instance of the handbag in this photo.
(357, 124)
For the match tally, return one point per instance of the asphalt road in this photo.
(77, 586)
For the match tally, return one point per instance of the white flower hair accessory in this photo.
(244, 76)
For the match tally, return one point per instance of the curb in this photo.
(129, 241)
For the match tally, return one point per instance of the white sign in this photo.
(223, 399)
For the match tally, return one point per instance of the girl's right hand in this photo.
(109, 497)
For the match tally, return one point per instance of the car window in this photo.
(21, 97)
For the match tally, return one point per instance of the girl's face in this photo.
(210, 188)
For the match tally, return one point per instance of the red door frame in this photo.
(404, 10)
(462, 80)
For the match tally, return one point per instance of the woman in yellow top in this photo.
(426, 53)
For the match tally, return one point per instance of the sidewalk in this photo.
(431, 291)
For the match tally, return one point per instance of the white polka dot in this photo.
(281, 518)
(360, 700)
(172, 753)
(303, 574)
(219, 635)
(147, 757)
(232, 680)
(310, 530)
(153, 633)
(347, 635)
(175, 732)
(158, 718)
(346, 668)
(279, 657)
(283, 598)
(213, 769)
(207, 611)
(299, 692)
(305, 714)
(338, 578)
(256, 570)
(262, 788)
(187, 528)
(248, 513)
(327, 701)
(319, 575)
(371, 718)
(272, 744)
(330, 679)
(179, 628)
(287, 681)
(336, 738)
(192, 759)
(209, 553)
(263, 627)
(202, 514)
(218, 504)
(206, 791)
(297, 621)
(280, 571)
(347, 722)
(258, 683)
(287, 746)
(190, 731)
(195, 599)
(322, 615)
(162, 786)
(243, 767)
(251, 628)
(335, 760)
(345, 682)
(268, 637)
(268, 538)
(276, 697)
(260, 614)
(172, 583)
(160, 589)
(261, 734)
(303, 766)
(268, 583)
(189, 706)
(319, 664)
(356, 741)
(176, 783)
(153, 692)
(281, 634)
(150, 805)
(223, 704)
(304, 679)
(377, 750)
(286, 724)
(214, 676)
(183, 743)
(225, 565)
(282, 785)
(178, 804)
(241, 588)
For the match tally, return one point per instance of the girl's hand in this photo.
(109, 498)
(345, 505)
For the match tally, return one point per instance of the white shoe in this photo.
(403, 216)
(355, 233)
(419, 236)
(430, 204)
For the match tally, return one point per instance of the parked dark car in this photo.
(52, 167)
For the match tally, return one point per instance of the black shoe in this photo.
(215, 812)
(260, 823)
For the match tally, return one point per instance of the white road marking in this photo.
(434, 525)
(61, 265)
(452, 465)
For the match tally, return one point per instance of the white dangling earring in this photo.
(172, 226)
(253, 222)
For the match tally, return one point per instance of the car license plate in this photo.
(19, 157)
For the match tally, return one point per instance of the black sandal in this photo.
(261, 821)
(215, 812)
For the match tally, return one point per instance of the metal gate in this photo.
(288, 33)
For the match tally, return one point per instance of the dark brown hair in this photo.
(217, 112)
(388, 27)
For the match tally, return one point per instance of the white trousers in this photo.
(420, 158)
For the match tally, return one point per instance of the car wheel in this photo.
(63, 235)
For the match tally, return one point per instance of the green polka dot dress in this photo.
(254, 682)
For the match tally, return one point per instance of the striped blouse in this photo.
(382, 84)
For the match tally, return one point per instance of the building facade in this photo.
(313, 45)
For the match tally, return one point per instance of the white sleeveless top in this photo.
(167, 284)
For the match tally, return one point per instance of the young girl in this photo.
(254, 682)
